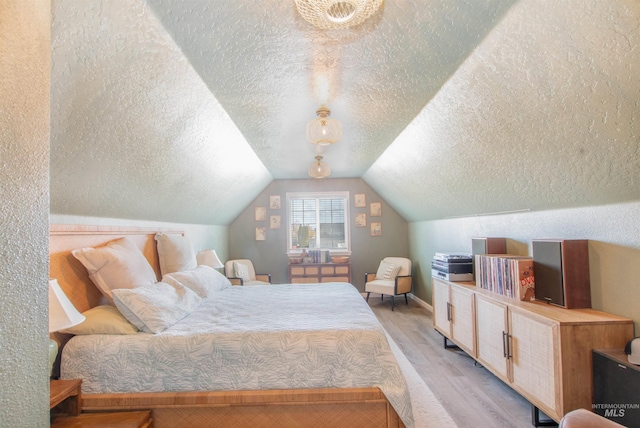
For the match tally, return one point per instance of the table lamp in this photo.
(62, 315)
(209, 258)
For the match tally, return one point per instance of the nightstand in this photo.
(65, 403)
(64, 397)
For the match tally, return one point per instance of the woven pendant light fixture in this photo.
(335, 14)
(324, 130)
(319, 169)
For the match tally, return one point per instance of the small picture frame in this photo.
(359, 200)
(260, 213)
(376, 228)
(274, 222)
(261, 233)
(274, 202)
(361, 220)
(375, 209)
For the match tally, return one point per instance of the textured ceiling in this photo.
(184, 110)
(545, 114)
(271, 70)
(135, 133)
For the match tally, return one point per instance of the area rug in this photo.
(427, 410)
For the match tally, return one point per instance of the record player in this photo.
(452, 267)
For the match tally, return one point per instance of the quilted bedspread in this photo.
(250, 338)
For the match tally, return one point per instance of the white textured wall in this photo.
(613, 232)
(24, 192)
(542, 115)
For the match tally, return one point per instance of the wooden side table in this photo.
(65, 404)
(64, 396)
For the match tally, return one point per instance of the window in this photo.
(318, 221)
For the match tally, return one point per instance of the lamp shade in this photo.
(209, 258)
(319, 169)
(323, 130)
(62, 313)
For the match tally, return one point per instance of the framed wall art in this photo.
(359, 200)
(261, 233)
(375, 209)
(274, 222)
(260, 213)
(274, 202)
(376, 228)
(361, 220)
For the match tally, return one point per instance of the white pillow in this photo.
(154, 308)
(203, 280)
(175, 253)
(104, 319)
(119, 264)
(387, 271)
(241, 271)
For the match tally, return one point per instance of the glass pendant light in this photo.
(324, 130)
(336, 14)
(319, 169)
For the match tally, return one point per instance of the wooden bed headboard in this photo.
(72, 275)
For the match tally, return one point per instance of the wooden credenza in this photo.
(308, 273)
(540, 350)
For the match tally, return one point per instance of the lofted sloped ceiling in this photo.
(185, 110)
(544, 114)
(271, 70)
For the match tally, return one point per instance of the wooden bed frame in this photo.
(329, 407)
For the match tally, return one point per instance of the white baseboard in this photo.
(421, 302)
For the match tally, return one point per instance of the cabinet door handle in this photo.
(448, 311)
(506, 345)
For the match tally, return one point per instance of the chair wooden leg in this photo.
(393, 301)
(382, 297)
(405, 299)
(368, 296)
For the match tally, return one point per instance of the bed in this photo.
(273, 355)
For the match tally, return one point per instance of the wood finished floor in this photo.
(473, 396)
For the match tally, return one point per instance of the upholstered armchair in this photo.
(392, 278)
(241, 272)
